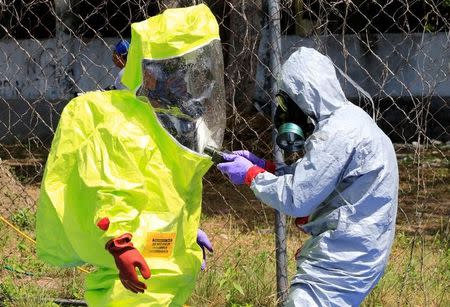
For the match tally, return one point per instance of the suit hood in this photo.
(309, 78)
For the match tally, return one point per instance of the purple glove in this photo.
(236, 168)
(251, 157)
(203, 241)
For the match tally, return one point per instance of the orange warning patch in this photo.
(159, 244)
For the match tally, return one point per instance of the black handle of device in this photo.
(215, 154)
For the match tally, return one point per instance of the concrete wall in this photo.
(408, 77)
(38, 78)
(392, 65)
(34, 69)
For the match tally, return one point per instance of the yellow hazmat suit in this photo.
(111, 158)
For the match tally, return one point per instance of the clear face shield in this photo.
(293, 126)
(187, 93)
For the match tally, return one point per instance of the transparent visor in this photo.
(187, 93)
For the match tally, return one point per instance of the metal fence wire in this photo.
(396, 51)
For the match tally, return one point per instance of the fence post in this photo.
(273, 8)
(63, 52)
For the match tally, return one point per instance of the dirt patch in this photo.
(237, 203)
(13, 195)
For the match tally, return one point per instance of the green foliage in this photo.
(241, 273)
(429, 27)
(244, 279)
(27, 281)
(24, 219)
(14, 294)
(244, 275)
(418, 271)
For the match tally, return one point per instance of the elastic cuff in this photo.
(302, 220)
(270, 166)
(119, 243)
(252, 173)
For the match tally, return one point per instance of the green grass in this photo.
(27, 281)
(241, 272)
(418, 274)
(24, 219)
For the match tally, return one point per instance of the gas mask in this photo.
(187, 94)
(292, 124)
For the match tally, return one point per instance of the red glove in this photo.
(300, 221)
(127, 258)
(270, 166)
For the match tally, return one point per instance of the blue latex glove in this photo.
(251, 157)
(236, 168)
(203, 242)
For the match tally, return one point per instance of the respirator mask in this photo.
(292, 124)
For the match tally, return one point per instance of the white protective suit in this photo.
(347, 183)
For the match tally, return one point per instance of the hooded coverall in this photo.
(347, 183)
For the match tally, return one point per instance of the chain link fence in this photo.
(397, 51)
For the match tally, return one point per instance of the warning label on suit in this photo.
(159, 244)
